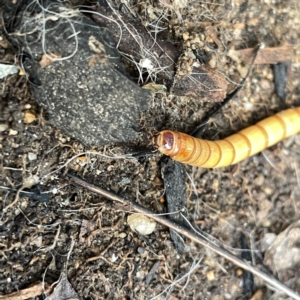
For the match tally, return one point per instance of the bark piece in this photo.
(280, 72)
(137, 43)
(273, 55)
(174, 177)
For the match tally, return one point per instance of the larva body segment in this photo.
(215, 154)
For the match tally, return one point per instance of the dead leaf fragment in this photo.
(48, 59)
(30, 292)
(259, 295)
(266, 55)
(63, 290)
(154, 88)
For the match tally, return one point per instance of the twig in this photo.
(188, 233)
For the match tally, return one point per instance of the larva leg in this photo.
(214, 154)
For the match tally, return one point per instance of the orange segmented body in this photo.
(235, 148)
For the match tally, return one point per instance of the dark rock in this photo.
(84, 90)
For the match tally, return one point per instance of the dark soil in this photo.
(256, 199)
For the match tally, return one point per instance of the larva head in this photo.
(166, 142)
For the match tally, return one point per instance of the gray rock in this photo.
(85, 92)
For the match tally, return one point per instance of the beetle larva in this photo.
(215, 154)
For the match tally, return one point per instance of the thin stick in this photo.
(188, 233)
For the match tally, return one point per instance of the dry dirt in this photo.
(87, 237)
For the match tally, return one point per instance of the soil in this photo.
(87, 236)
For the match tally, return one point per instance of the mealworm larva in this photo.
(215, 154)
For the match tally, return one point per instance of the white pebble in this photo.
(32, 156)
(141, 223)
(13, 132)
(114, 258)
(3, 127)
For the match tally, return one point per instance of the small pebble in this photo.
(3, 127)
(114, 258)
(110, 168)
(32, 156)
(124, 181)
(54, 191)
(239, 272)
(242, 70)
(30, 181)
(28, 117)
(141, 250)
(140, 274)
(13, 132)
(122, 235)
(185, 36)
(266, 84)
(27, 106)
(210, 275)
(267, 241)
(213, 62)
(268, 191)
(141, 223)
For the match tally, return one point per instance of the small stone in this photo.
(209, 39)
(259, 181)
(30, 181)
(28, 117)
(140, 274)
(239, 272)
(110, 168)
(253, 22)
(267, 241)
(32, 156)
(242, 70)
(122, 235)
(239, 26)
(185, 36)
(13, 132)
(233, 55)
(114, 258)
(3, 127)
(268, 191)
(210, 275)
(124, 181)
(54, 191)
(141, 223)
(141, 250)
(213, 62)
(266, 84)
